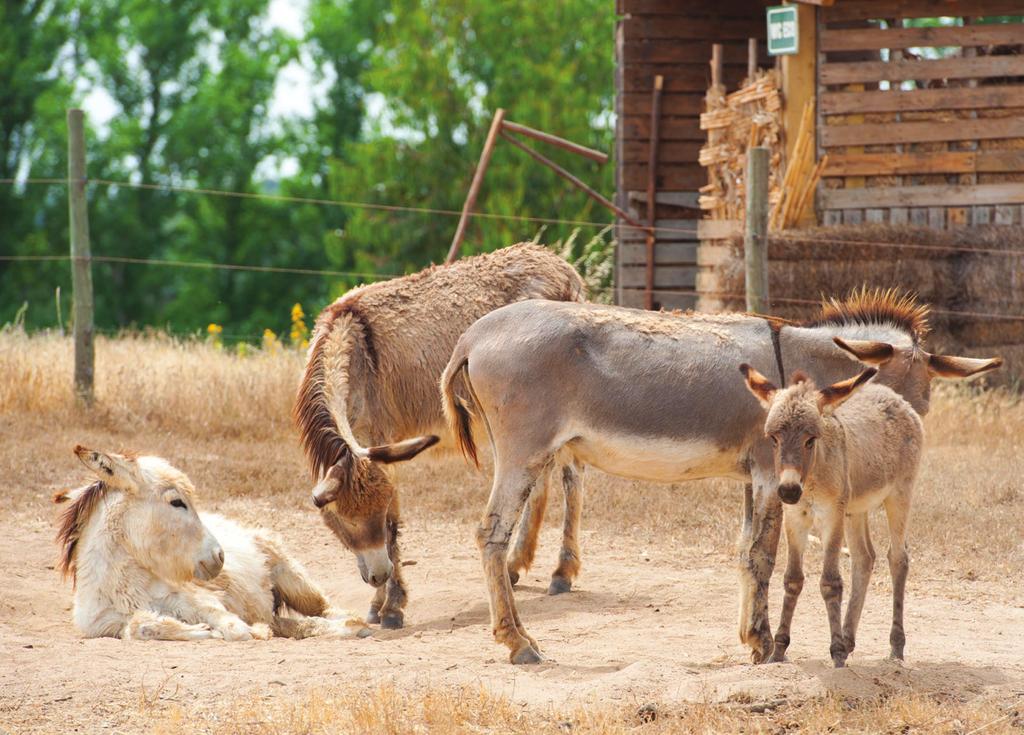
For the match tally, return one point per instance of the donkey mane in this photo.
(72, 521)
(876, 306)
(323, 444)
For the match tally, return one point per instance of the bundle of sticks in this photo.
(750, 116)
(802, 177)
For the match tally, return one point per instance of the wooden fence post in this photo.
(81, 259)
(755, 236)
(652, 190)
(474, 186)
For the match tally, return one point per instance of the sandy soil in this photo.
(648, 622)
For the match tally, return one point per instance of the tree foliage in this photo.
(404, 100)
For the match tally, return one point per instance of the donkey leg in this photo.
(569, 558)
(145, 625)
(309, 627)
(508, 495)
(897, 510)
(832, 581)
(298, 591)
(862, 561)
(797, 526)
(756, 562)
(525, 547)
(392, 612)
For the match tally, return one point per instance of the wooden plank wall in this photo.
(917, 140)
(674, 39)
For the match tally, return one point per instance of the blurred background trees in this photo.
(401, 96)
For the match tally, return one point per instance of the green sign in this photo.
(783, 31)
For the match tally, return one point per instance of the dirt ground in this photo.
(648, 622)
(652, 619)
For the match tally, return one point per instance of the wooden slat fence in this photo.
(917, 133)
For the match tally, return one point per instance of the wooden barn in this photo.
(911, 112)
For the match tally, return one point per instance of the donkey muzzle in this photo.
(790, 493)
(211, 564)
(326, 491)
(375, 566)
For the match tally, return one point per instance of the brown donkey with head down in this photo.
(369, 394)
(841, 452)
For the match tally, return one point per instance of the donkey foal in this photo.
(840, 452)
(146, 565)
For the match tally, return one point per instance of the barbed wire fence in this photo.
(77, 184)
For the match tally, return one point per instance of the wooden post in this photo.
(603, 201)
(474, 187)
(567, 145)
(81, 259)
(751, 59)
(755, 241)
(799, 78)
(652, 189)
(716, 64)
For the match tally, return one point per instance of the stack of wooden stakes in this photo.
(801, 179)
(734, 122)
(752, 116)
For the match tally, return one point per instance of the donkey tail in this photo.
(456, 409)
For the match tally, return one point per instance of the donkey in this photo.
(371, 379)
(841, 452)
(147, 566)
(647, 396)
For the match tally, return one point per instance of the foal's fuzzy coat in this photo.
(841, 452)
(146, 565)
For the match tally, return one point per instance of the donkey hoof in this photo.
(373, 616)
(392, 621)
(513, 577)
(526, 655)
(364, 633)
(559, 585)
(778, 656)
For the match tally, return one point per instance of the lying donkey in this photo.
(647, 396)
(841, 452)
(147, 566)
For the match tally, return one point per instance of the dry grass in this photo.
(225, 420)
(388, 711)
(154, 381)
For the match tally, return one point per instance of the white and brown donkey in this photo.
(651, 396)
(841, 452)
(147, 565)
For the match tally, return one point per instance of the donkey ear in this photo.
(401, 451)
(867, 351)
(113, 469)
(836, 393)
(947, 366)
(759, 385)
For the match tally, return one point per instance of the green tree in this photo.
(33, 97)
(438, 69)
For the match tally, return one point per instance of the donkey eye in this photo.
(775, 440)
(179, 503)
(809, 443)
